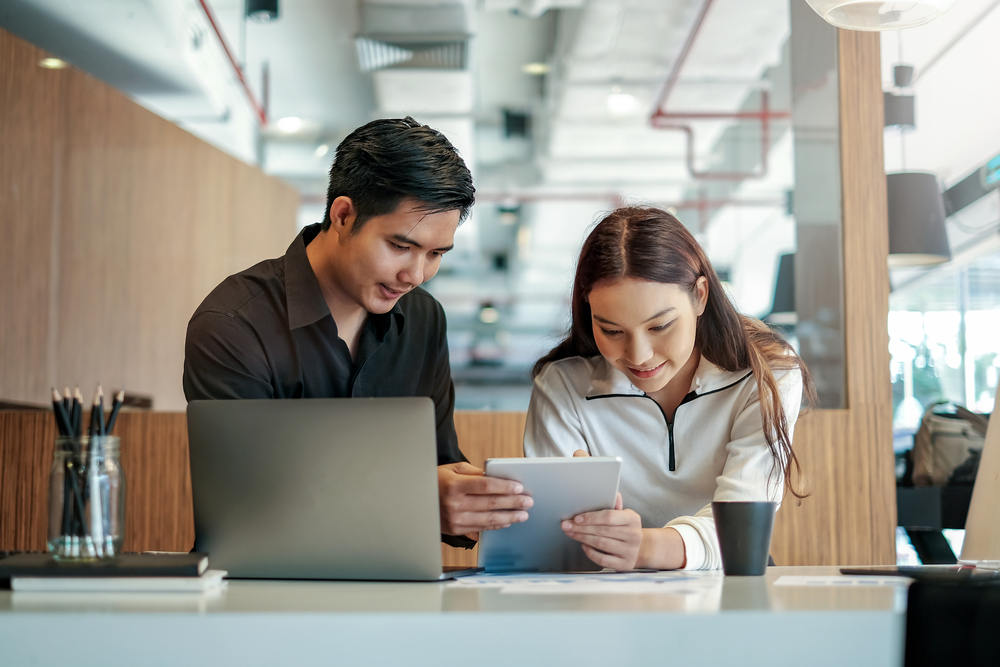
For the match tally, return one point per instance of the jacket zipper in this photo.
(671, 457)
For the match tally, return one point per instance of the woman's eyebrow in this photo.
(659, 314)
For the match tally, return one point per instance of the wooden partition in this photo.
(484, 435)
(850, 517)
(158, 514)
(115, 224)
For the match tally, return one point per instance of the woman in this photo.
(660, 369)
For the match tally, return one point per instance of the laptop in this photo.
(340, 488)
(980, 557)
(981, 546)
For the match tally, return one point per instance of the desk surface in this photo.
(719, 621)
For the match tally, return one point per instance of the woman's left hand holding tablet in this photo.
(610, 538)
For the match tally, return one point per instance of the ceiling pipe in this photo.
(258, 110)
(664, 120)
(614, 198)
(686, 204)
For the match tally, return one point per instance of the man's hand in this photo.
(471, 502)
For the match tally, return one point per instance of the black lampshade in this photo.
(262, 10)
(784, 285)
(917, 233)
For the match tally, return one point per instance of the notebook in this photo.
(341, 488)
(207, 581)
(160, 564)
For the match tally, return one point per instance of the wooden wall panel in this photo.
(483, 435)
(26, 442)
(31, 116)
(847, 454)
(158, 514)
(122, 225)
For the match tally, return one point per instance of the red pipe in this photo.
(675, 69)
(765, 115)
(258, 109)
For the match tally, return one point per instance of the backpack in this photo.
(945, 441)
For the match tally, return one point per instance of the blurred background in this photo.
(565, 109)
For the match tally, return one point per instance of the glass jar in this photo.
(86, 499)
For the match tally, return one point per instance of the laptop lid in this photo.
(317, 488)
(982, 525)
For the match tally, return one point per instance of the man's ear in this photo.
(342, 216)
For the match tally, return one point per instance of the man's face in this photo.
(392, 254)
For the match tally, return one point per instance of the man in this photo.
(342, 313)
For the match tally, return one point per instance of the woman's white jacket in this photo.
(713, 449)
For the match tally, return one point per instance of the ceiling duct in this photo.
(374, 55)
(414, 35)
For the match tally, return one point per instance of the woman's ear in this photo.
(701, 295)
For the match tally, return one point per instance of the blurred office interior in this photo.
(565, 109)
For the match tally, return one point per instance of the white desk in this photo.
(739, 621)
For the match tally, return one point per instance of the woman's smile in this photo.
(647, 372)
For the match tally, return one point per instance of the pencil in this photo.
(115, 407)
(77, 412)
(100, 411)
(62, 421)
(94, 430)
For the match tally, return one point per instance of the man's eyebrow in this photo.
(659, 314)
(402, 238)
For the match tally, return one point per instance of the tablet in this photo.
(561, 488)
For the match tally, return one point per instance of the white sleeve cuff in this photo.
(694, 547)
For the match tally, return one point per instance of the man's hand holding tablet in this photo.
(471, 502)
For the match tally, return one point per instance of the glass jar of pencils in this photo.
(86, 498)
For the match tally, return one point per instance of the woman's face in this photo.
(647, 329)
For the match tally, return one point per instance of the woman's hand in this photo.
(610, 538)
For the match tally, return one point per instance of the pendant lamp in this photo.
(917, 235)
(783, 307)
(873, 15)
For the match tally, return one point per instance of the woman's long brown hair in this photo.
(650, 244)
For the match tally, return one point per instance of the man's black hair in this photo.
(386, 161)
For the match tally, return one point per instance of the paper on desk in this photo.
(842, 580)
(675, 583)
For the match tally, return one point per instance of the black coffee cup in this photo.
(744, 530)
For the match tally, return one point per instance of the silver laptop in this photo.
(342, 488)
(981, 546)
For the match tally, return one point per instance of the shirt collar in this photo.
(605, 379)
(306, 304)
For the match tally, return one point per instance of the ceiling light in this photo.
(289, 124)
(322, 150)
(537, 69)
(488, 314)
(872, 15)
(619, 102)
(53, 63)
(262, 10)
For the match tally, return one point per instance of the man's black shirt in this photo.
(267, 333)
